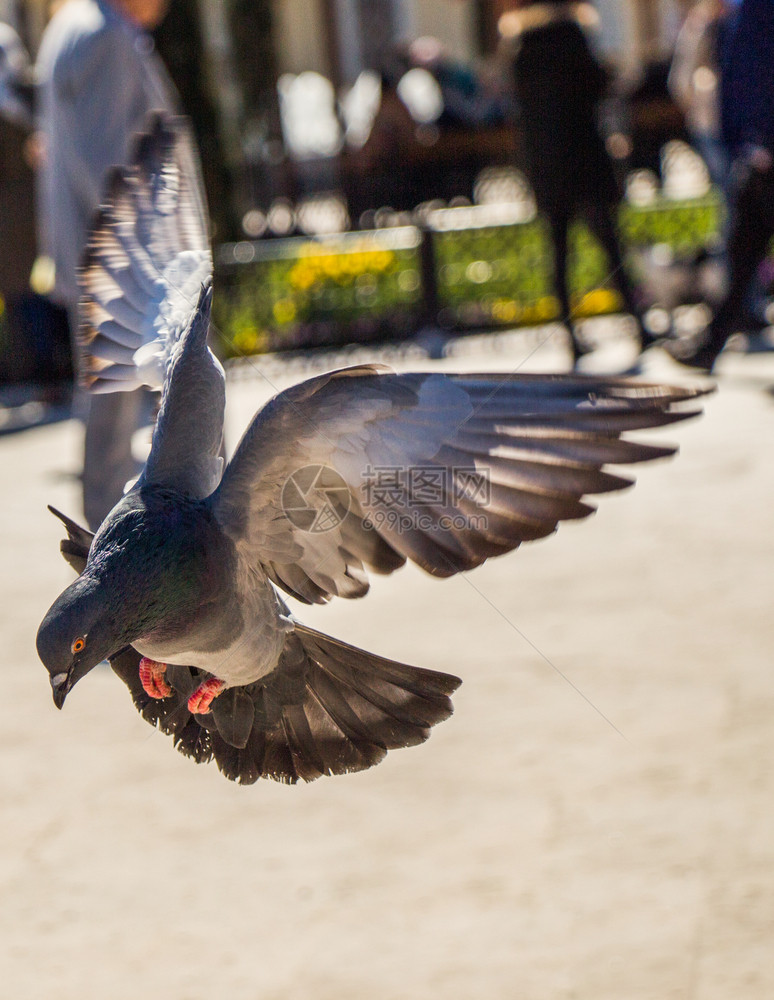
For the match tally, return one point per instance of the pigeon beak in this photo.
(60, 686)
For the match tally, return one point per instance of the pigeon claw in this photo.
(200, 701)
(152, 678)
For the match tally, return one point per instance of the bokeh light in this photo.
(308, 113)
(419, 91)
(322, 214)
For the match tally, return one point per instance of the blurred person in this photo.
(469, 99)
(34, 347)
(16, 79)
(694, 82)
(98, 78)
(17, 228)
(391, 166)
(558, 86)
(747, 121)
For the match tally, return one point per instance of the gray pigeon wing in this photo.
(187, 439)
(361, 469)
(145, 262)
(145, 304)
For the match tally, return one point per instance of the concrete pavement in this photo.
(595, 822)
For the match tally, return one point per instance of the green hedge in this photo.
(362, 286)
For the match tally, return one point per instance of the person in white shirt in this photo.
(98, 79)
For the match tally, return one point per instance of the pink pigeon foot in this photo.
(152, 678)
(200, 701)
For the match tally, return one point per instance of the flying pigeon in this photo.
(353, 472)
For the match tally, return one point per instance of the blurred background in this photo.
(595, 821)
(366, 178)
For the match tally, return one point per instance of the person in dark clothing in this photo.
(747, 121)
(559, 84)
(694, 82)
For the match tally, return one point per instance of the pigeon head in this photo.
(77, 633)
(153, 564)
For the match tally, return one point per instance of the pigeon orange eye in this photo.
(78, 645)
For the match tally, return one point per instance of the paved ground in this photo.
(595, 821)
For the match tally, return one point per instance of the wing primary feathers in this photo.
(538, 442)
(145, 260)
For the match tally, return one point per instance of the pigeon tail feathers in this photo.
(74, 548)
(328, 708)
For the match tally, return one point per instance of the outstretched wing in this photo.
(360, 469)
(145, 304)
(145, 262)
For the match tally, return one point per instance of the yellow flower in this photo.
(547, 307)
(284, 311)
(249, 340)
(597, 302)
(303, 276)
(505, 310)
